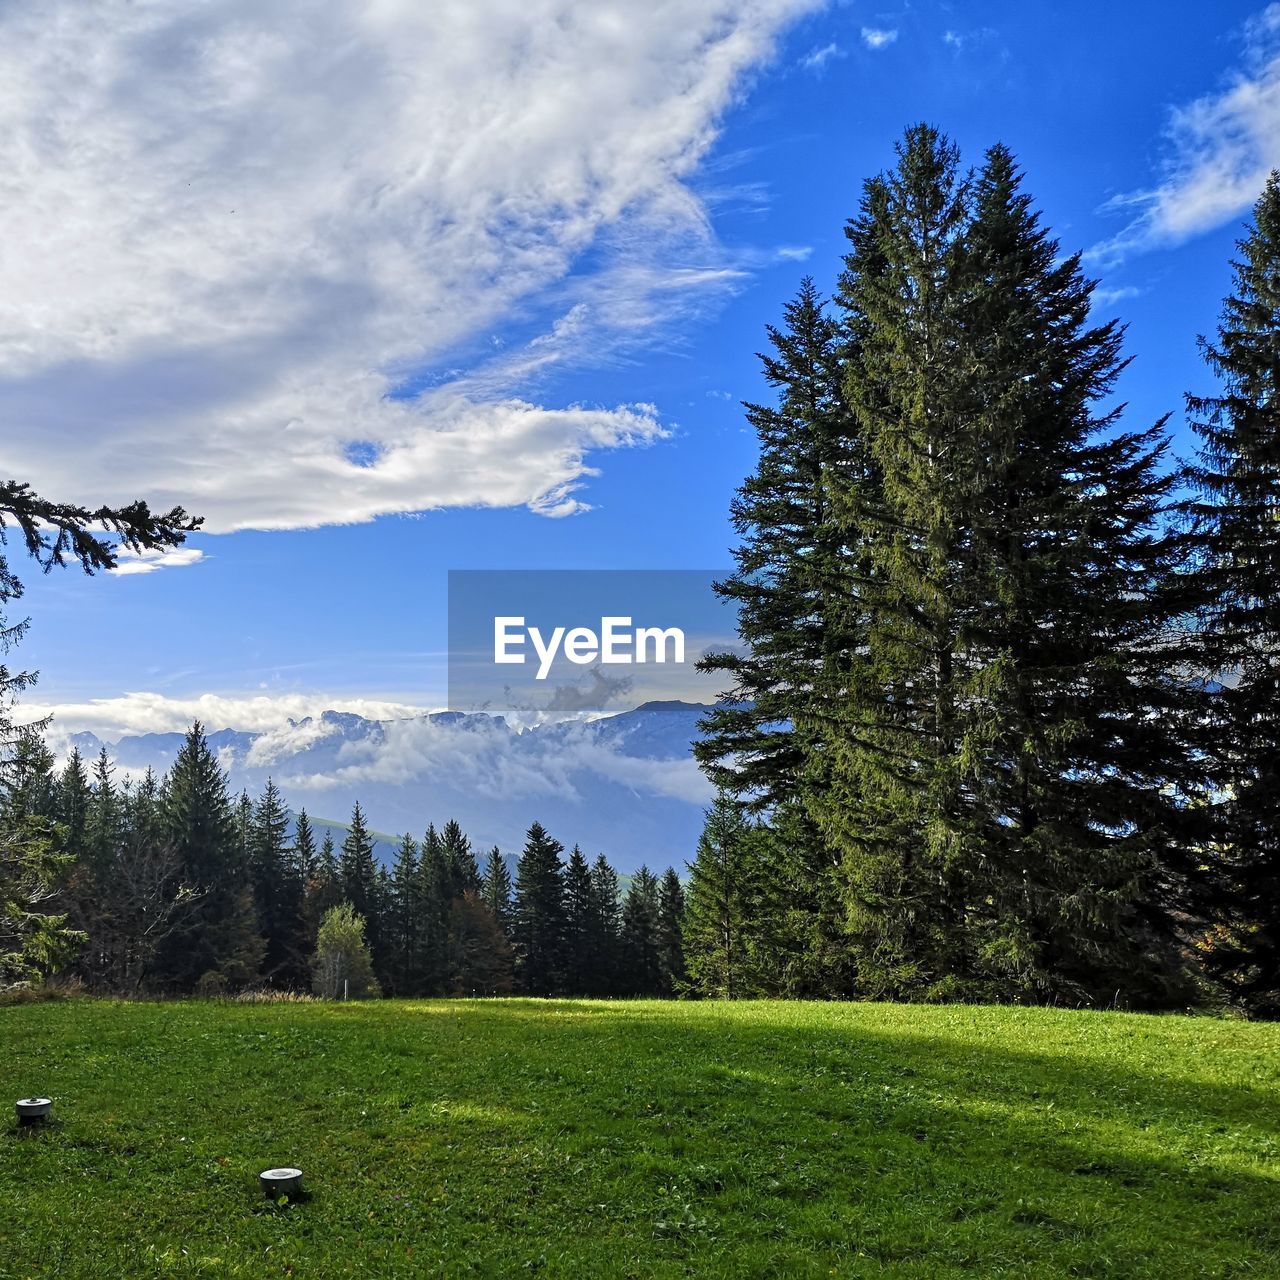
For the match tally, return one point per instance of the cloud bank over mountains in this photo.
(625, 784)
(268, 252)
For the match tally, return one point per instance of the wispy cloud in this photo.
(129, 562)
(1109, 297)
(239, 232)
(960, 40)
(817, 58)
(1222, 146)
(878, 37)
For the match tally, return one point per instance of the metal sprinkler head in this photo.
(33, 1110)
(280, 1182)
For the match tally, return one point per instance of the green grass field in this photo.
(643, 1139)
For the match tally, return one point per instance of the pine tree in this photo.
(279, 890)
(220, 938)
(304, 864)
(1006, 777)
(671, 933)
(538, 934)
(359, 870)
(90, 885)
(641, 936)
(723, 883)
(1238, 480)
(28, 788)
(74, 795)
(435, 898)
(580, 953)
(495, 890)
(464, 875)
(243, 822)
(138, 897)
(606, 929)
(402, 920)
(325, 890)
(104, 819)
(787, 562)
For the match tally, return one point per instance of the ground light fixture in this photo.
(33, 1110)
(284, 1181)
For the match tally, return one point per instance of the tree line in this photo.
(1006, 723)
(172, 886)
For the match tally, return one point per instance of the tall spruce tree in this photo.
(580, 954)
(671, 933)
(642, 936)
(723, 886)
(1007, 770)
(435, 898)
(538, 933)
(306, 862)
(787, 561)
(1238, 481)
(495, 891)
(799, 623)
(464, 875)
(73, 802)
(606, 929)
(326, 890)
(359, 871)
(402, 921)
(104, 820)
(279, 891)
(218, 941)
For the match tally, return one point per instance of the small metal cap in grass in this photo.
(281, 1182)
(33, 1110)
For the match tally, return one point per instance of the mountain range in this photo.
(624, 785)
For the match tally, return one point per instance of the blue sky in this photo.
(513, 275)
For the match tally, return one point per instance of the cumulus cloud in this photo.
(129, 562)
(878, 37)
(1222, 146)
(261, 252)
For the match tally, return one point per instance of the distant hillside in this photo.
(624, 785)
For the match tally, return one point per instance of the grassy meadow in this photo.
(578, 1138)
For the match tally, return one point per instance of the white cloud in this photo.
(235, 230)
(131, 713)
(1109, 297)
(134, 562)
(486, 758)
(817, 58)
(480, 755)
(878, 37)
(1223, 145)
